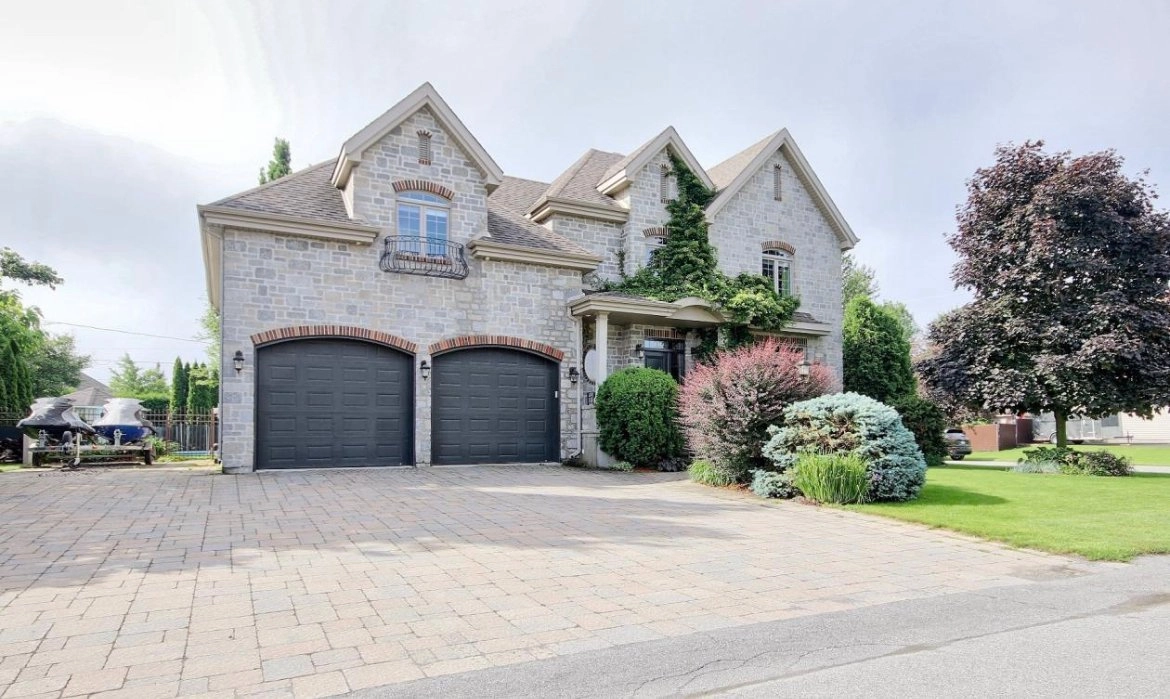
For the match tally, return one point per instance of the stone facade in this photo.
(754, 216)
(272, 282)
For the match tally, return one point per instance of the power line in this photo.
(127, 332)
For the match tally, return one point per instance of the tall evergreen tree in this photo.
(876, 352)
(179, 388)
(280, 164)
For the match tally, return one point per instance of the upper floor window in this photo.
(776, 265)
(424, 147)
(422, 220)
(777, 183)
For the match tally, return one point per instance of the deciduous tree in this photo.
(876, 353)
(1069, 264)
(280, 164)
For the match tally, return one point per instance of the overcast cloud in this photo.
(116, 119)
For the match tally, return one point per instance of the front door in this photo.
(666, 355)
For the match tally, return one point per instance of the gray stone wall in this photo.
(647, 210)
(753, 216)
(602, 238)
(273, 281)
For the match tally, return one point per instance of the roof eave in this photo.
(669, 138)
(288, 225)
(547, 206)
(488, 249)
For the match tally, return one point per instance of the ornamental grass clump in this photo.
(727, 405)
(706, 473)
(840, 479)
(850, 423)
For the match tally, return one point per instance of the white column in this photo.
(601, 342)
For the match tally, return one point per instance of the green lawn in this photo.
(1141, 454)
(1098, 518)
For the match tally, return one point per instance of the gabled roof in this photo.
(620, 173)
(424, 96)
(507, 222)
(735, 172)
(307, 193)
(576, 187)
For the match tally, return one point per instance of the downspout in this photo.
(578, 332)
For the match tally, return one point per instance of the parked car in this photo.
(958, 445)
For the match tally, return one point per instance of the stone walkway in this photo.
(161, 583)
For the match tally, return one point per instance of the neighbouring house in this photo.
(89, 398)
(408, 303)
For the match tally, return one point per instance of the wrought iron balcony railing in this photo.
(426, 256)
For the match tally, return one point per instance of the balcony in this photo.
(425, 256)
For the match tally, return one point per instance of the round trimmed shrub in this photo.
(852, 423)
(927, 421)
(728, 404)
(637, 414)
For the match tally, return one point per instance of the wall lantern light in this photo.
(238, 361)
(638, 353)
(804, 367)
(425, 369)
(573, 375)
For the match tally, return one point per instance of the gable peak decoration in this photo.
(426, 96)
(622, 173)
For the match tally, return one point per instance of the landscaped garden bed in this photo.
(1098, 518)
(1139, 454)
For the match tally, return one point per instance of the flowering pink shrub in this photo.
(726, 406)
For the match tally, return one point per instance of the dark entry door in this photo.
(666, 355)
(494, 405)
(333, 402)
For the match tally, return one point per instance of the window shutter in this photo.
(424, 147)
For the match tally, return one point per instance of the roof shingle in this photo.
(725, 172)
(579, 182)
(307, 193)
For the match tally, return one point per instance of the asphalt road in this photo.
(1102, 634)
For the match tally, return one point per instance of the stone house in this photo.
(408, 303)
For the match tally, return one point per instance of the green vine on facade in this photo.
(687, 265)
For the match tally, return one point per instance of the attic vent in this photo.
(664, 183)
(777, 192)
(424, 147)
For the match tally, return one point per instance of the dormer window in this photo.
(777, 187)
(424, 147)
(664, 183)
(776, 266)
(422, 223)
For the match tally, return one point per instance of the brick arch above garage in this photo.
(297, 332)
(468, 341)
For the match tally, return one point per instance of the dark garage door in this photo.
(333, 402)
(493, 405)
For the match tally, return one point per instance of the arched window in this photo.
(654, 243)
(422, 220)
(777, 267)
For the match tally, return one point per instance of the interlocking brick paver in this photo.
(158, 583)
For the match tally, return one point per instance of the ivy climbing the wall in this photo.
(686, 265)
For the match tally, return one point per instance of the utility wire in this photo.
(126, 332)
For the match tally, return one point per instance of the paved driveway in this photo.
(157, 583)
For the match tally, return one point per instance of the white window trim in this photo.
(781, 258)
(403, 198)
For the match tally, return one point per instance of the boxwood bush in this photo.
(927, 421)
(637, 414)
(852, 423)
(772, 484)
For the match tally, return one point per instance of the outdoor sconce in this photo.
(638, 353)
(238, 361)
(804, 367)
(425, 369)
(573, 375)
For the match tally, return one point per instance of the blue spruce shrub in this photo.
(772, 484)
(857, 424)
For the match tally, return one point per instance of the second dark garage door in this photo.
(333, 402)
(494, 405)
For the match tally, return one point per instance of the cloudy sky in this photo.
(117, 118)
